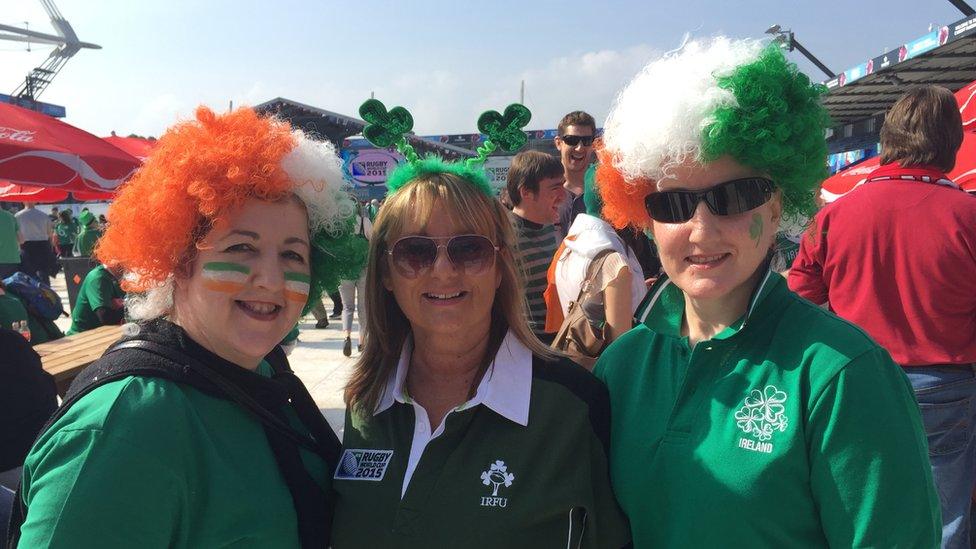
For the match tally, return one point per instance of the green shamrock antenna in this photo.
(389, 128)
(503, 131)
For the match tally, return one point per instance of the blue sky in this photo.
(445, 61)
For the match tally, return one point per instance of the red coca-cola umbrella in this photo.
(966, 97)
(964, 174)
(12, 192)
(136, 146)
(42, 151)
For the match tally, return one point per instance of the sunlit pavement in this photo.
(317, 359)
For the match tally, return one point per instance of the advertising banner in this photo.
(55, 111)
(924, 44)
(497, 169)
(839, 161)
(368, 166)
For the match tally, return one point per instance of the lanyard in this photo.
(921, 178)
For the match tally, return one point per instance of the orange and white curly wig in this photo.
(201, 170)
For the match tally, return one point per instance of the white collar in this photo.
(505, 387)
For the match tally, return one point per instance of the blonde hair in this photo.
(387, 328)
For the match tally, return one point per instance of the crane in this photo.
(67, 46)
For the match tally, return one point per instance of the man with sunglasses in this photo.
(574, 140)
(535, 188)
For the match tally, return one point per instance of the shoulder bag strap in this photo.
(232, 391)
(594, 267)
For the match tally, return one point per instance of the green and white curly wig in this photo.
(707, 99)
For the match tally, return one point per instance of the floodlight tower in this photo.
(67, 45)
(788, 40)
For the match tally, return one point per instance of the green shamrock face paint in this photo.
(756, 228)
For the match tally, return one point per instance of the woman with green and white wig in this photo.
(743, 415)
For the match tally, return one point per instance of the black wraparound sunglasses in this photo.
(729, 198)
(573, 140)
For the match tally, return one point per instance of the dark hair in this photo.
(923, 128)
(527, 170)
(576, 118)
(64, 216)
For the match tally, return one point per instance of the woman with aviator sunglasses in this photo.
(462, 429)
(794, 426)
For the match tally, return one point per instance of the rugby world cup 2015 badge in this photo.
(367, 464)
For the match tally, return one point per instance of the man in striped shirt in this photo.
(535, 187)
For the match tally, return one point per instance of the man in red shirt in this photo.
(897, 257)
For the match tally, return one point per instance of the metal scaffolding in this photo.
(67, 46)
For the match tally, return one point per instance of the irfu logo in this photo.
(496, 476)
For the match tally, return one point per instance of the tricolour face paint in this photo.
(297, 286)
(225, 277)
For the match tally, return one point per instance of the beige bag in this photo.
(578, 338)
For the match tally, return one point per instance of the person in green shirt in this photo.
(155, 461)
(10, 240)
(372, 209)
(88, 235)
(462, 429)
(99, 301)
(64, 231)
(743, 415)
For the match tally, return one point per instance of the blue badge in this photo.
(359, 464)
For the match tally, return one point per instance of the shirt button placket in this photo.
(699, 378)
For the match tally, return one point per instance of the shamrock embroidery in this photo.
(763, 413)
(506, 130)
(385, 128)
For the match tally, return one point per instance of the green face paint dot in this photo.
(756, 228)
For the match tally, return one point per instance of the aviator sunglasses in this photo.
(573, 140)
(729, 198)
(471, 254)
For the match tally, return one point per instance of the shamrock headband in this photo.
(386, 128)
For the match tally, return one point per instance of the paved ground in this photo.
(317, 360)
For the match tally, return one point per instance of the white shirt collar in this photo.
(505, 387)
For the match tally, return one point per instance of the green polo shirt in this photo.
(99, 289)
(522, 464)
(791, 428)
(11, 311)
(145, 462)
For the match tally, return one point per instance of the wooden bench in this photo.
(65, 358)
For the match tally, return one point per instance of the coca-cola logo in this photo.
(13, 134)
(861, 170)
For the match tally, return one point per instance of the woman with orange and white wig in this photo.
(193, 432)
